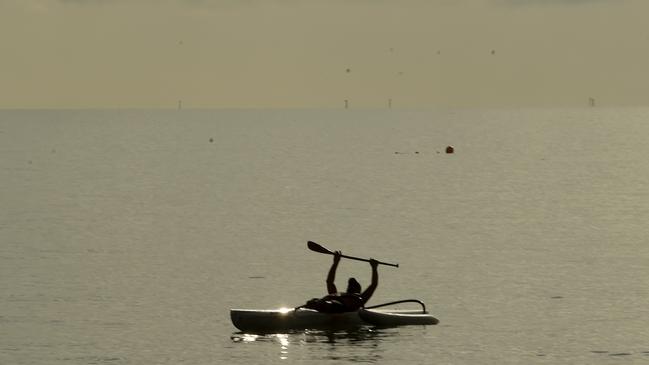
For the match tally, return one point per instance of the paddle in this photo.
(317, 248)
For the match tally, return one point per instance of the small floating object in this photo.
(211, 140)
(450, 149)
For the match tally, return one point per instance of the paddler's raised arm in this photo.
(331, 277)
(367, 294)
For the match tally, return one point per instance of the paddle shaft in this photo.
(366, 260)
(318, 248)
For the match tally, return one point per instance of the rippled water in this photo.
(362, 345)
(126, 236)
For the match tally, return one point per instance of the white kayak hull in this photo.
(275, 320)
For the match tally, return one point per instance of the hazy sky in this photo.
(308, 53)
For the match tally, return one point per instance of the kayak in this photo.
(273, 320)
(396, 318)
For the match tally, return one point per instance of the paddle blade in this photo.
(317, 248)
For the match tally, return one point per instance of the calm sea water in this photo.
(126, 236)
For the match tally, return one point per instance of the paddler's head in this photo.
(353, 286)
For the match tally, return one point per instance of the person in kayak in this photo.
(351, 299)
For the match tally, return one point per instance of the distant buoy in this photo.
(450, 149)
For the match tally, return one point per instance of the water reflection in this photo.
(284, 342)
(357, 345)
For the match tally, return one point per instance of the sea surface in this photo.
(127, 236)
